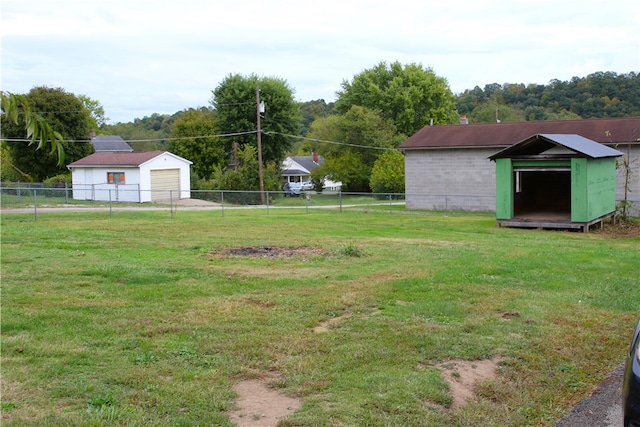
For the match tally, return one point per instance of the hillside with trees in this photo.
(598, 95)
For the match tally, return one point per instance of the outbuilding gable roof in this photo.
(119, 159)
(538, 144)
(604, 131)
(110, 143)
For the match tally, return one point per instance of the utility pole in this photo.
(260, 109)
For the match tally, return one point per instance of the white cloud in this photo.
(138, 57)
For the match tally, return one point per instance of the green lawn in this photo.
(145, 320)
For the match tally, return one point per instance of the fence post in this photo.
(110, 209)
(66, 193)
(222, 202)
(19, 193)
(171, 203)
(340, 200)
(446, 205)
(390, 204)
(35, 205)
(267, 203)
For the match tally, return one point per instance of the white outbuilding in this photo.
(153, 176)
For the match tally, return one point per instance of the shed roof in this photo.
(110, 143)
(117, 159)
(605, 131)
(537, 144)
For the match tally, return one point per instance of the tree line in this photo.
(358, 134)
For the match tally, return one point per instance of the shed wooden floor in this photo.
(550, 220)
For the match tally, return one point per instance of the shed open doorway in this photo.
(542, 193)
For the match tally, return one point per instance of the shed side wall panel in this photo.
(504, 189)
(601, 190)
(579, 190)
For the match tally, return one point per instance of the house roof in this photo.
(116, 159)
(300, 165)
(605, 131)
(307, 162)
(538, 144)
(110, 143)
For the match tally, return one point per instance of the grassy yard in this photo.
(144, 320)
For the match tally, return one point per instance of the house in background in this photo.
(448, 166)
(154, 176)
(555, 181)
(297, 169)
(110, 143)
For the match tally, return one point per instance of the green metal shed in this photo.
(560, 181)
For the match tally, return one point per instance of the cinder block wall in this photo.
(633, 194)
(465, 176)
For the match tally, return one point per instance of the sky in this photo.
(139, 57)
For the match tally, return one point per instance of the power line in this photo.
(224, 135)
(147, 140)
(332, 142)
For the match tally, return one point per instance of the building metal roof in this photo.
(487, 135)
(110, 143)
(116, 159)
(538, 144)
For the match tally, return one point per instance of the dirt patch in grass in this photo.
(620, 229)
(259, 404)
(464, 375)
(326, 325)
(300, 252)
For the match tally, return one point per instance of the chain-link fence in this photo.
(44, 198)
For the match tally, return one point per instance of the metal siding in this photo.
(583, 145)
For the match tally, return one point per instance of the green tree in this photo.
(387, 175)
(63, 112)
(313, 110)
(410, 96)
(95, 110)
(234, 101)
(18, 111)
(350, 144)
(8, 171)
(244, 178)
(489, 112)
(195, 130)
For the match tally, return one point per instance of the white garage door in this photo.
(165, 185)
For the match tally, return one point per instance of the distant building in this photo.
(298, 169)
(155, 176)
(110, 143)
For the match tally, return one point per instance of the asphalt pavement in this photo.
(603, 408)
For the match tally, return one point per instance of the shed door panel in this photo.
(165, 185)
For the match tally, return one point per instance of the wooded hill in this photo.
(598, 95)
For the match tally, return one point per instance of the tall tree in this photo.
(65, 113)
(351, 143)
(235, 103)
(410, 96)
(17, 110)
(195, 130)
(95, 110)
